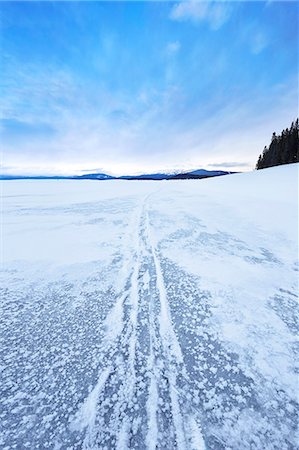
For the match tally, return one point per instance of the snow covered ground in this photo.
(158, 315)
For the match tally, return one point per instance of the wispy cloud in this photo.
(179, 96)
(86, 138)
(230, 165)
(258, 42)
(214, 13)
(173, 47)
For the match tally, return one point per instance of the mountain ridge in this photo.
(194, 174)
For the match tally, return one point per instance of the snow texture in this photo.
(158, 315)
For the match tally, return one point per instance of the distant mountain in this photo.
(195, 174)
(148, 176)
(94, 176)
(210, 173)
(201, 173)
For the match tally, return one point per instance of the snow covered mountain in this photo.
(94, 176)
(148, 176)
(201, 173)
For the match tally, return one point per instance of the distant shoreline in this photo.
(197, 174)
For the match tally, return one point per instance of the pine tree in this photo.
(283, 149)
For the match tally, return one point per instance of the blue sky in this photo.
(129, 87)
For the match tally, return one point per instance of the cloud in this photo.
(214, 13)
(190, 11)
(173, 47)
(156, 137)
(259, 42)
(230, 164)
(155, 129)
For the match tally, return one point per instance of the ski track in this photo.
(137, 401)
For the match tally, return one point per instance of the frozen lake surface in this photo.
(158, 315)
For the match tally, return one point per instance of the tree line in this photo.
(284, 148)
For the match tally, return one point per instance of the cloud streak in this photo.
(230, 165)
(214, 13)
(173, 47)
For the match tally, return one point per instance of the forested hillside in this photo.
(283, 149)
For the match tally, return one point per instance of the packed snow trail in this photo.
(144, 315)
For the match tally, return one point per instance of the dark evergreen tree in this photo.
(283, 149)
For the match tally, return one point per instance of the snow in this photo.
(145, 314)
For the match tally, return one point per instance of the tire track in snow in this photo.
(137, 400)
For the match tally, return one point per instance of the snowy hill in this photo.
(151, 315)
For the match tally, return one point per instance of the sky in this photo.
(139, 87)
